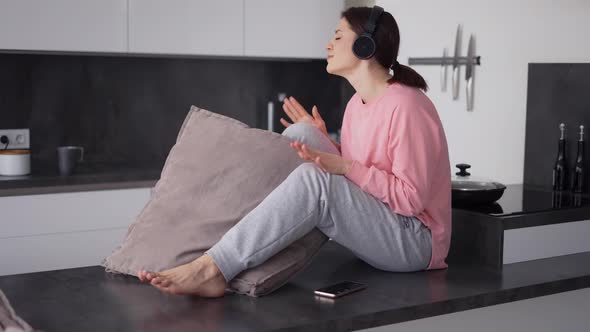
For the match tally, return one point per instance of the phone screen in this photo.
(340, 289)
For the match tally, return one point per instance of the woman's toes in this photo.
(149, 276)
(161, 281)
(166, 283)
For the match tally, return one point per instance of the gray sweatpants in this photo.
(310, 197)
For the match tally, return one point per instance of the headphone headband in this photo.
(364, 46)
(373, 19)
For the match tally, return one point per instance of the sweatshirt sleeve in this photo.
(413, 149)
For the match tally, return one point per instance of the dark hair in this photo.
(386, 37)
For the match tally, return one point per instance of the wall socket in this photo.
(16, 138)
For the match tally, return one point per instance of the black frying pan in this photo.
(470, 192)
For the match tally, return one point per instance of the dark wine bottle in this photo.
(560, 168)
(578, 183)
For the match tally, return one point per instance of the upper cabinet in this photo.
(64, 25)
(253, 28)
(186, 27)
(290, 28)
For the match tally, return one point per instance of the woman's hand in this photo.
(328, 162)
(297, 113)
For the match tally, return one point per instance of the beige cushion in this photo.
(9, 321)
(218, 171)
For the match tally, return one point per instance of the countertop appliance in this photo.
(15, 155)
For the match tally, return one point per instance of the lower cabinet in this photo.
(66, 230)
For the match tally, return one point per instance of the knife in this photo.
(443, 71)
(469, 73)
(456, 63)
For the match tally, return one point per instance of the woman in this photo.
(384, 193)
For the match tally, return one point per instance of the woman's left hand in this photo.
(328, 162)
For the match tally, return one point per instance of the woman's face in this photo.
(341, 60)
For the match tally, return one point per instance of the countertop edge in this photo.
(433, 309)
(69, 188)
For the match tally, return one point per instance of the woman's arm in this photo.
(336, 144)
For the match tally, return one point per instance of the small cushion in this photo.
(218, 171)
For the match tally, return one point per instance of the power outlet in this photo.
(16, 138)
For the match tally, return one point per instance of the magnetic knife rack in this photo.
(469, 61)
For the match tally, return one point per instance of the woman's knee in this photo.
(298, 131)
(308, 171)
(307, 168)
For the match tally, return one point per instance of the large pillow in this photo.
(9, 321)
(218, 171)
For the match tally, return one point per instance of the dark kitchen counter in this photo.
(88, 177)
(478, 231)
(89, 299)
(524, 205)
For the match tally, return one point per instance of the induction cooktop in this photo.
(523, 199)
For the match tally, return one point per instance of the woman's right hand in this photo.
(297, 113)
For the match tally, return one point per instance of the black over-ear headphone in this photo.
(364, 46)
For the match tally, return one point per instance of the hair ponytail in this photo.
(407, 76)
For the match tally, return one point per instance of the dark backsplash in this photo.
(128, 110)
(557, 93)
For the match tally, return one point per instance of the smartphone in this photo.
(340, 289)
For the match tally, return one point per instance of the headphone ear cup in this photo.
(364, 46)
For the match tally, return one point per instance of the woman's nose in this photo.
(329, 45)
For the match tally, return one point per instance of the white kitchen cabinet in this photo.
(57, 251)
(255, 28)
(64, 25)
(186, 27)
(66, 230)
(290, 29)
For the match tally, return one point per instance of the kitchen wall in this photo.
(509, 35)
(128, 110)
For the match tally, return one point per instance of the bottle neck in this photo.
(580, 156)
(561, 149)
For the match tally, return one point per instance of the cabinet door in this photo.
(291, 29)
(186, 27)
(64, 25)
(58, 251)
(66, 230)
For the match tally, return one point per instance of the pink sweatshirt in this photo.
(399, 152)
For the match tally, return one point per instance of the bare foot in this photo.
(144, 276)
(199, 277)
